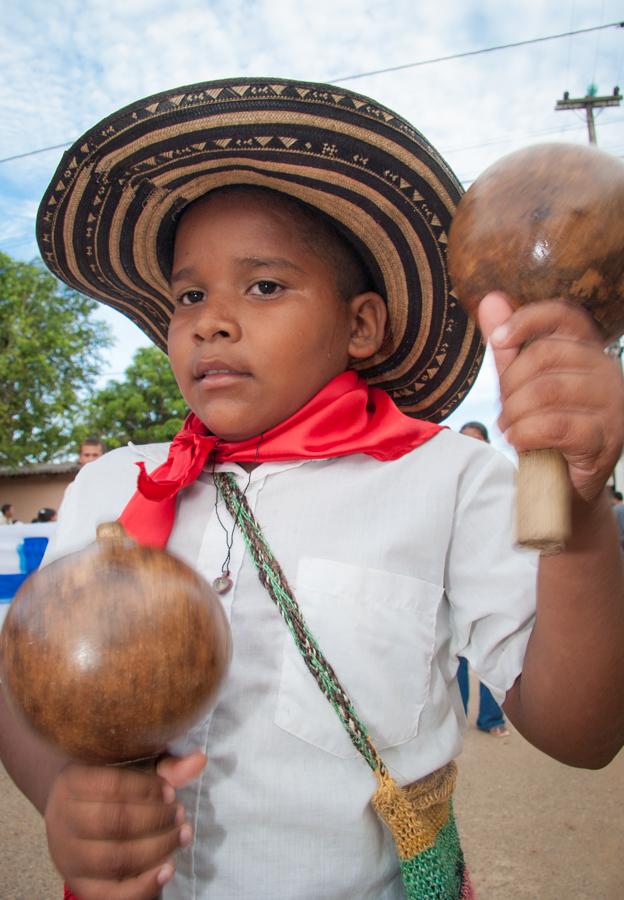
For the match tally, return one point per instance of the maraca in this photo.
(112, 652)
(544, 222)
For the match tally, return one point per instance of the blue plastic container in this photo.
(31, 552)
(9, 586)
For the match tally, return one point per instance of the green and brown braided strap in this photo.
(274, 580)
(420, 815)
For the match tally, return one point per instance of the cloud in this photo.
(68, 64)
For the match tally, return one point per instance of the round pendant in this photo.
(222, 584)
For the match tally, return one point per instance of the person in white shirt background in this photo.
(8, 516)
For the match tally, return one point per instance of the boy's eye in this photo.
(188, 298)
(265, 288)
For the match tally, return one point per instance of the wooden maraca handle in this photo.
(543, 501)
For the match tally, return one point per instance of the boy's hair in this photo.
(477, 426)
(320, 234)
(93, 442)
(6, 507)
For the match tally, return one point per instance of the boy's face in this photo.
(89, 453)
(258, 326)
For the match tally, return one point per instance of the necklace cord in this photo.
(229, 535)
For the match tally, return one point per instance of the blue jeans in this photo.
(490, 713)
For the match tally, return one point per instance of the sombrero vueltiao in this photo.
(106, 222)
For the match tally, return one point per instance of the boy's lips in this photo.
(215, 371)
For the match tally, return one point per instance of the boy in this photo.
(395, 535)
(90, 450)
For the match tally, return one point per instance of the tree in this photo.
(50, 355)
(145, 407)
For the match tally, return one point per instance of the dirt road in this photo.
(532, 829)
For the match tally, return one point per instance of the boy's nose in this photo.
(216, 319)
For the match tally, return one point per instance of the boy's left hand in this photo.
(559, 389)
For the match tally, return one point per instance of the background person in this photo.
(8, 515)
(90, 450)
(45, 514)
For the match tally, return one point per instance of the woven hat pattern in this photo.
(106, 223)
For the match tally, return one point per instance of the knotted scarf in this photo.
(346, 416)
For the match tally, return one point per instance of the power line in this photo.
(510, 138)
(467, 181)
(8, 246)
(572, 12)
(598, 36)
(34, 152)
(422, 62)
(437, 59)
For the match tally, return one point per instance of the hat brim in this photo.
(106, 222)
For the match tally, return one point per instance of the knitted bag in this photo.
(419, 815)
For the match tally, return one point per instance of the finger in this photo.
(120, 860)
(494, 312)
(548, 394)
(575, 434)
(146, 886)
(115, 783)
(543, 361)
(547, 318)
(583, 441)
(179, 771)
(127, 821)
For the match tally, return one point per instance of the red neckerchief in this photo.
(346, 416)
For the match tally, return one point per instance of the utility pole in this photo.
(589, 103)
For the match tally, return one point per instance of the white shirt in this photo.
(398, 567)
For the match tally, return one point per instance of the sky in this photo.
(67, 64)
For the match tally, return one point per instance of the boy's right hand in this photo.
(112, 831)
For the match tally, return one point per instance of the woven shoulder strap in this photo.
(274, 580)
(420, 815)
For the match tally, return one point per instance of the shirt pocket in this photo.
(377, 631)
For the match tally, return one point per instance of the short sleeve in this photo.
(491, 584)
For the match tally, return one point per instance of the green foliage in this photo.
(146, 407)
(49, 358)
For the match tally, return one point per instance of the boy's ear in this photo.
(368, 324)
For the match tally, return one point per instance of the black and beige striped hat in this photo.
(106, 223)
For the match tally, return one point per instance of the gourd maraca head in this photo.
(113, 652)
(541, 223)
